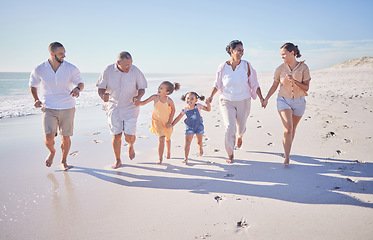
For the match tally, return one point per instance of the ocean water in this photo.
(16, 99)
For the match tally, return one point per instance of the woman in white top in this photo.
(237, 82)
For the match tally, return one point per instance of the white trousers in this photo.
(235, 114)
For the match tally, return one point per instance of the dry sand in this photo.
(326, 193)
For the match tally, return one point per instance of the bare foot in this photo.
(230, 159)
(200, 151)
(185, 161)
(117, 164)
(131, 152)
(65, 166)
(287, 162)
(239, 142)
(168, 155)
(49, 160)
(160, 161)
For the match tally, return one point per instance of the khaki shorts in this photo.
(160, 129)
(61, 118)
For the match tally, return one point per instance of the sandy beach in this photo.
(326, 193)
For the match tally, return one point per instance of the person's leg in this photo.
(66, 127)
(130, 139)
(229, 117)
(65, 147)
(161, 149)
(287, 121)
(200, 144)
(49, 143)
(117, 144)
(168, 145)
(188, 140)
(50, 123)
(296, 120)
(243, 111)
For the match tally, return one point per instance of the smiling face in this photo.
(162, 90)
(58, 54)
(191, 100)
(124, 65)
(287, 56)
(238, 52)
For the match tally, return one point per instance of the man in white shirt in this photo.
(121, 86)
(56, 79)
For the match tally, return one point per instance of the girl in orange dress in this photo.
(163, 114)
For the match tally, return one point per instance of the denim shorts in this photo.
(199, 130)
(298, 105)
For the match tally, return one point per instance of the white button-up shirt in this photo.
(55, 87)
(122, 87)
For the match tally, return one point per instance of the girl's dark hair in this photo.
(171, 86)
(292, 48)
(195, 94)
(232, 45)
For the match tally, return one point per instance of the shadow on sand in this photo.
(308, 180)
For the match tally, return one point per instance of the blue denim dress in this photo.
(194, 122)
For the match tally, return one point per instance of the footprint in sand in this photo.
(339, 152)
(218, 198)
(94, 134)
(259, 126)
(270, 144)
(143, 136)
(229, 175)
(347, 140)
(96, 141)
(216, 150)
(74, 153)
(269, 134)
(242, 224)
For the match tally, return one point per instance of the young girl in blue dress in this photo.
(193, 121)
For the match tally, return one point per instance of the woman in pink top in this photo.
(237, 82)
(294, 80)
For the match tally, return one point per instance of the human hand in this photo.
(209, 99)
(264, 103)
(136, 100)
(75, 92)
(38, 104)
(105, 97)
(289, 77)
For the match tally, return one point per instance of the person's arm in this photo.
(302, 85)
(136, 99)
(259, 93)
(34, 92)
(177, 119)
(103, 94)
(208, 107)
(148, 100)
(213, 92)
(271, 91)
(172, 114)
(76, 91)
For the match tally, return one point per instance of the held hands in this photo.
(264, 102)
(209, 100)
(136, 101)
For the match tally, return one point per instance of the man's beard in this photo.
(58, 59)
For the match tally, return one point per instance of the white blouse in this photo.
(236, 85)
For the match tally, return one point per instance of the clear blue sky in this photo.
(183, 36)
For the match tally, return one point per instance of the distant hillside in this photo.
(364, 62)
